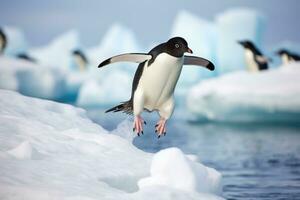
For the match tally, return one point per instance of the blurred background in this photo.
(242, 119)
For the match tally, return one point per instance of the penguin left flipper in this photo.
(193, 60)
(128, 57)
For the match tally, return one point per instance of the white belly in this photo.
(286, 59)
(250, 61)
(158, 81)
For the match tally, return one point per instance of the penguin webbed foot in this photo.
(138, 125)
(160, 128)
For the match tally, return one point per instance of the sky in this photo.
(151, 21)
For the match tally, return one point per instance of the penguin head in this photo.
(282, 52)
(177, 46)
(247, 44)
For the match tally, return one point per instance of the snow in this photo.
(234, 25)
(50, 150)
(171, 168)
(22, 151)
(31, 79)
(272, 95)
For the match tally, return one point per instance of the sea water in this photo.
(258, 161)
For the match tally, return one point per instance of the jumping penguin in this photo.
(155, 80)
(80, 59)
(255, 60)
(3, 41)
(287, 56)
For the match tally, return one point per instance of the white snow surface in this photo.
(272, 95)
(171, 168)
(52, 151)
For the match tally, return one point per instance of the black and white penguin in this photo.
(255, 60)
(287, 56)
(3, 41)
(80, 59)
(25, 56)
(155, 80)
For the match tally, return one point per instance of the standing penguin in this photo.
(254, 58)
(155, 80)
(287, 56)
(3, 41)
(80, 59)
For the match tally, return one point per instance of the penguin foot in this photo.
(160, 128)
(138, 125)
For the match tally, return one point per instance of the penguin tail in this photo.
(125, 107)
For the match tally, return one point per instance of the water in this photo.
(258, 161)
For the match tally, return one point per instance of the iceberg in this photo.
(59, 52)
(50, 150)
(201, 36)
(31, 79)
(16, 42)
(117, 40)
(113, 88)
(268, 96)
(232, 26)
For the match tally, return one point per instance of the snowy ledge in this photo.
(267, 96)
(53, 151)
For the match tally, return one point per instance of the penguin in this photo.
(155, 80)
(287, 56)
(80, 59)
(255, 60)
(25, 56)
(3, 41)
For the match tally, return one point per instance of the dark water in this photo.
(258, 161)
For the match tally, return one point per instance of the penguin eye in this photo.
(177, 46)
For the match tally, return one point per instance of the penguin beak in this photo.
(189, 50)
(241, 43)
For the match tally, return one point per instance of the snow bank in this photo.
(272, 95)
(31, 79)
(53, 151)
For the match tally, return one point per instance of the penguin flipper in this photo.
(193, 60)
(128, 57)
(262, 59)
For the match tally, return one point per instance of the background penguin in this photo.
(3, 41)
(155, 80)
(254, 59)
(25, 56)
(80, 59)
(287, 56)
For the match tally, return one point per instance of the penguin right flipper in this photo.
(193, 60)
(128, 57)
